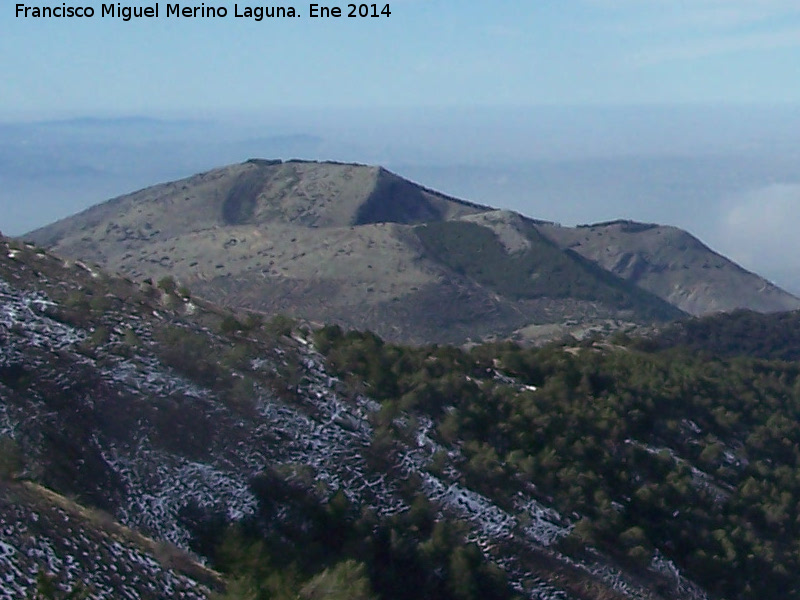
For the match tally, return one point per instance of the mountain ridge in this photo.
(336, 242)
(633, 251)
(86, 549)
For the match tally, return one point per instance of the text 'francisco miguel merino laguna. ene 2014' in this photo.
(257, 13)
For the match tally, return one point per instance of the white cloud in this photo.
(761, 231)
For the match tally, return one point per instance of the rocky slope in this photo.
(159, 409)
(360, 246)
(673, 265)
(47, 535)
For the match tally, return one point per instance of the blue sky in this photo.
(684, 112)
(428, 53)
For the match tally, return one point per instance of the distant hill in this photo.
(673, 265)
(360, 246)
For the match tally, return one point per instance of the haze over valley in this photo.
(727, 175)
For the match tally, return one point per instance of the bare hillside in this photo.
(674, 265)
(362, 247)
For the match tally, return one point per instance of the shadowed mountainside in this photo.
(80, 549)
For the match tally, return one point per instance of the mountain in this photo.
(147, 430)
(673, 265)
(362, 247)
(349, 244)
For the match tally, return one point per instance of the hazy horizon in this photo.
(729, 175)
(578, 111)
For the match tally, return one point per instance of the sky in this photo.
(684, 112)
(427, 53)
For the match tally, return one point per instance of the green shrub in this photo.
(346, 581)
(167, 284)
(11, 461)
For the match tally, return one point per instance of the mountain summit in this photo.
(360, 246)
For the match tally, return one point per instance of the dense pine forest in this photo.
(695, 457)
(652, 447)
